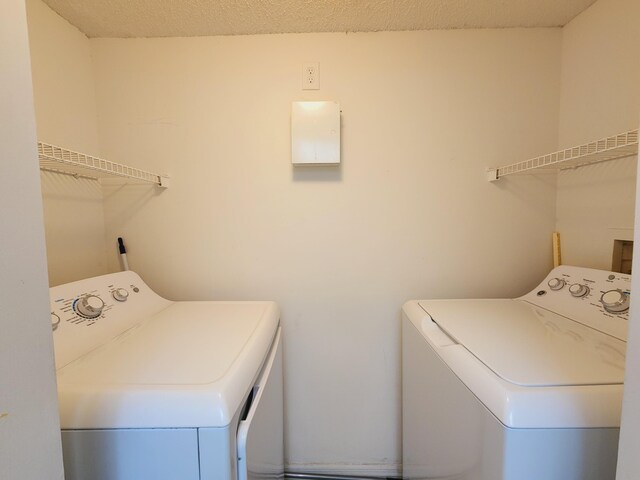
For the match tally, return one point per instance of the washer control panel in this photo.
(89, 313)
(596, 298)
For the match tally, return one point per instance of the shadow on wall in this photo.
(136, 196)
(317, 173)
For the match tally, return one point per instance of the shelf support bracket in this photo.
(165, 182)
(492, 174)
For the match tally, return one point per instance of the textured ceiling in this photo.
(173, 18)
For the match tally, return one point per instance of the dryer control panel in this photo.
(596, 298)
(88, 313)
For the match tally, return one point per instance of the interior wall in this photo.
(64, 96)
(408, 213)
(628, 459)
(30, 447)
(600, 97)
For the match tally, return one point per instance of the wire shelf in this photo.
(60, 160)
(610, 148)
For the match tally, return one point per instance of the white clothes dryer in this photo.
(522, 389)
(154, 389)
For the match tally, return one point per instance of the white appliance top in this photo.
(528, 345)
(553, 358)
(146, 362)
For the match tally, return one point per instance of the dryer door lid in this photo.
(190, 365)
(529, 346)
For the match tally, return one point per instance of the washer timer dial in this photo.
(615, 301)
(89, 306)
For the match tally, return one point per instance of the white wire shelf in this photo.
(60, 160)
(610, 148)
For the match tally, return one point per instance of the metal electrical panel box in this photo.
(315, 133)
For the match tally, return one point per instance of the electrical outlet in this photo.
(311, 76)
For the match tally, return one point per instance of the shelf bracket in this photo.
(165, 181)
(492, 174)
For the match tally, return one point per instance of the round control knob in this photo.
(578, 290)
(89, 306)
(55, 321)
(120, 294)
(556, 283)
(615, 301)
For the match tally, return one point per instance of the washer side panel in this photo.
(444, 426)
(449, 433)
(560, 454)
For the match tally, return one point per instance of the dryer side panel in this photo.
(218, 452)
(132, 454)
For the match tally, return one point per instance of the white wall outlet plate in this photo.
(311, 76)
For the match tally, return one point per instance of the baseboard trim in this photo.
(318, 476)
(342, 472)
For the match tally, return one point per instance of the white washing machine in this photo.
(154, 389)
(523, 389)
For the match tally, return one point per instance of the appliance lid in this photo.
(528, 345)
(189, 365)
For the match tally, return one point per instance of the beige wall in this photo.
(600, 97)
(408, 214)
(628, 458)
(29, 428)
(66, 115)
